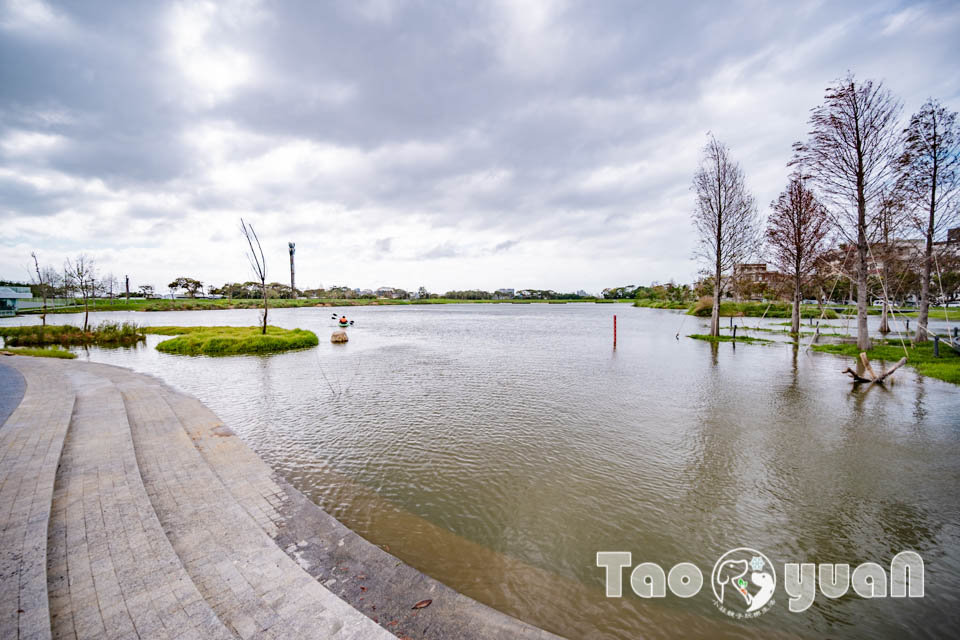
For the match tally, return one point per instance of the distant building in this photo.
(10, 297)
(386, 292)
(752, 271)
(503, 294)
(953, 235)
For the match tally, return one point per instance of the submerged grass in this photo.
(41, 352)
(231, 341)
(106, 334)
(701, 336)
(919, 356)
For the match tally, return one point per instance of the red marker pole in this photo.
(614, 331)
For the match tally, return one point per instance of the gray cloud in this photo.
(429, 130)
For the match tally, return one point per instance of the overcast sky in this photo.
(542, 144)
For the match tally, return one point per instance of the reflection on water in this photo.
(498, 448)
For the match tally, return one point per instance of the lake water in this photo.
(498, 448)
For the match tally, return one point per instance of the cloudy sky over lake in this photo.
(542, 144)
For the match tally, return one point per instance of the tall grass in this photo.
(109, 334)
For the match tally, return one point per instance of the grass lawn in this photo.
(760, 309)
(650, 303)
(935, 313)
(920, 357)
(49, 352)
(231, 341)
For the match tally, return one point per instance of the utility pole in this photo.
(293, 282)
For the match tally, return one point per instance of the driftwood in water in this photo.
(873, 376)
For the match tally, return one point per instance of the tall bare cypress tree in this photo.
(930, 178)
(725, 217)
(797, 234)
(850, 157)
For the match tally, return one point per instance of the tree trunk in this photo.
(925, 284)
(863, 332)
(715, 313)
(795, 316)
(264, 331)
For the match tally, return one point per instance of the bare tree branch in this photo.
(725, 217)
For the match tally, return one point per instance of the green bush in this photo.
(231, 341)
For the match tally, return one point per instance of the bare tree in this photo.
(852, 141)
(46, 281)
(258, 264)
(930, 178)
(797, 233)
(82, 275)
(110, 283)
(725, 218)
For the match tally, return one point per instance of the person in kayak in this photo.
(343, 319)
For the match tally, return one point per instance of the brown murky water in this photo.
(499, 448)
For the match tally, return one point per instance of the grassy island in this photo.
(232, 341)
(105, 334)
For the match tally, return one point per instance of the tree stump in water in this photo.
(338, 336)
(874, 377)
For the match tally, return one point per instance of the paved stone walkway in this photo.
(128, 510)
(30, 444)
(12, 388)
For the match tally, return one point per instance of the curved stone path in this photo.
(128, 510)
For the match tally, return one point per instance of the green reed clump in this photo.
(231, 341)
(105, 334)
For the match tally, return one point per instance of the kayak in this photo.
(344, 324)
